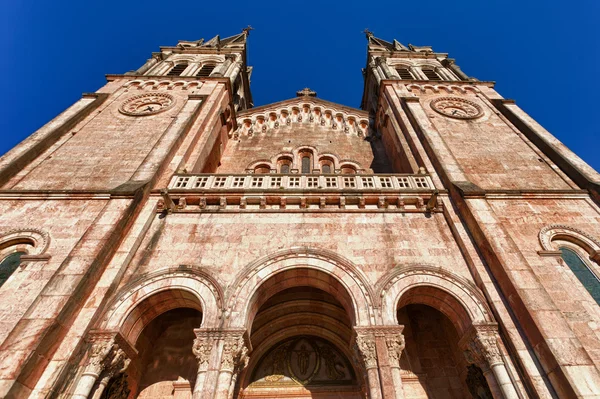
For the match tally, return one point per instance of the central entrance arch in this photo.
(300, 316)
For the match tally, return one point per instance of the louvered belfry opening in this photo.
(206, 70)
(431, 74)
(404, 73)
(177, 70)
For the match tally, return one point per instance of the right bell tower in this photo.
(527, 202)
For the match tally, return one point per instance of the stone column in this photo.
(234, 350)
(144, 68)
(202, 349)
(192, 69)
(482, 349)
(395, 346)
(103, 355)
(237, 66)
(417, 73)
(456, 69)
(382, 62)
(375, 72)
(367, 353)
(221, 70)
(114, 370)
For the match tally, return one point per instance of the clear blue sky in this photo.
(543, 53)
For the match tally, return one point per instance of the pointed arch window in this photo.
(582, 271)
(177, 70)
(8, 265)
(206, 70)
(431, 73)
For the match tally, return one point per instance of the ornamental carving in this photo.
(483, 350)
(147, 104)
(106, 355)
(366, 351)
(202, 349)
(456, 107)
(234, 352)
(395, 346)
(303, 360)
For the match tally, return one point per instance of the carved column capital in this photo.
(234, 352)
(395, 345)
(366, 350)
(202, 349)
(109, 352)
(481, 346)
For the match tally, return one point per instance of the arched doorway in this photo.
(301, 328)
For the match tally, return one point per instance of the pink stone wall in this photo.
(225, 243)
(266, 145)
(491, 153)
(65, 221)
(104, 150)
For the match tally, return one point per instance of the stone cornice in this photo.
(114, 76)
(487, 83)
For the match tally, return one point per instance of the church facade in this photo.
(164, 238)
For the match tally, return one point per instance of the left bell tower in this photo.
(77, 192)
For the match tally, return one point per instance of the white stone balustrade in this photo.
(321, 182)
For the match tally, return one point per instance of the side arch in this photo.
(458, 298)
(345, 273)
(567, 233)
(31, 241)
(131, 310)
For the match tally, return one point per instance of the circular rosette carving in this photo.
(147, 104)
(456, 107)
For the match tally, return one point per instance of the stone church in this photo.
(164, 238)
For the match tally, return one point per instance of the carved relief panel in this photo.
(303, 361)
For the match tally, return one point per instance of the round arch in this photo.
(567, 233)
(31, 241)
(282, 335)
(454, 296)
(340, 273)
(146, 298)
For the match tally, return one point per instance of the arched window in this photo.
(8, 265)
(177, 70)
(404, 73)
(348, 169)
(431, 73)
(306, 164)
(262, 168)
(285, 168)
(582, 271)
(326, 168)
(206, 70)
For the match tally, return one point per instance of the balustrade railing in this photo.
(268, 182)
